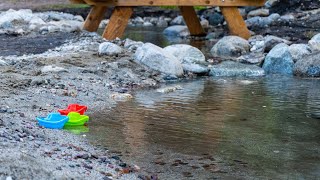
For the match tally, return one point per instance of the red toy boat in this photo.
(73, 108)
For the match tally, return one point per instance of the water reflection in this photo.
(257, 128)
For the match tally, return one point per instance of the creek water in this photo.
(218, 128)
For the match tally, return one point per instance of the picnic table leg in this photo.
(192, 20)
(94, 18)
(118, 22)
(235, 22)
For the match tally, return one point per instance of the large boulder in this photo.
(178, 31)
(191, 58)
(299, 51)
(314, 43)
(309, 66)
(108, 48)
(158, 59)
(235, 69)
(230, 47)
(279, 60)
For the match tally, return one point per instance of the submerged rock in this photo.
(158, 59)
(279, 60)
(309, 66)
(121, 96)
(177, 30)
(234, 69)
(298, 51)
(169, 89)
(108, 48)
(230, 47)
(314, 43)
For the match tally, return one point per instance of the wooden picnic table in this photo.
(124, 9)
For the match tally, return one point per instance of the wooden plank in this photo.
(94, 18)
(176, 2)
(118, 22)
(192, 20)
(235, 22)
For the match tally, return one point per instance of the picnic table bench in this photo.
(124, 9)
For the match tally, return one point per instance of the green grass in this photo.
(64, 6)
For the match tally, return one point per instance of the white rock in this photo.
(108, 48)
(186, 53)
(52, 68)
(258, 12)
(314, 43)
(147, 24)
(178, 21)
(37, 21)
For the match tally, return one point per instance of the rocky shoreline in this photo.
(83, 68)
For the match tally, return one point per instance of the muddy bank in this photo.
(28, 91)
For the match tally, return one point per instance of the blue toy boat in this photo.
(53, 121)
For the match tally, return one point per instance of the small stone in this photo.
(108, 48)
(258, 12)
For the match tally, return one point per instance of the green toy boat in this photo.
(75, 119)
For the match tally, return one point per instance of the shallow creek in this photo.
(218, 128)
(266, 128)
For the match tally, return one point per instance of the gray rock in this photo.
(271, 3)
(309, 66)
(37, 21)
(186, 53)
(272, 41)
(262, 22)
(158, 59)
(162, 23)
(67, 25)
(252, 58)
(178, 21)
(314, 43)
(235, 69)
(215, 19)
(190, 57)
(178, 31)
(3, 63)
(12, 18)
(195, 68)
(298, 51)
(147, 24)
(287, 18)
(108, 48)
(52, 68)
(132, 45)
(214, 35)
(138, 20)
(230, 47)
(258, 12)
(279, 60)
